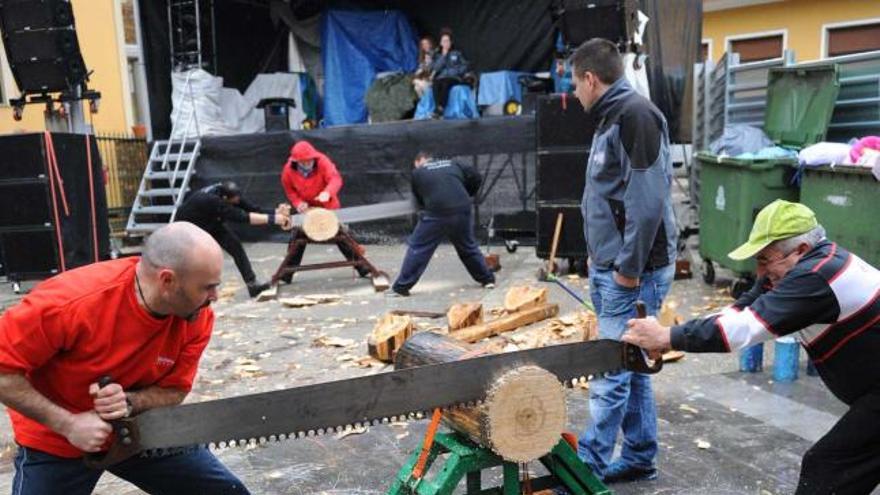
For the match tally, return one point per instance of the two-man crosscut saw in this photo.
(333, 406)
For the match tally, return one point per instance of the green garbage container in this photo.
(845, 199)
(799, 106)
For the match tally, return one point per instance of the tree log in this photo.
(320, 224)
(523, 413)
(464, 315)
(524, 297)
(389, 334)
(506, 323)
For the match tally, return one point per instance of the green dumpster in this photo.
(799, 106)
(844, 199)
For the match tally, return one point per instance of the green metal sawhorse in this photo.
(467, 459)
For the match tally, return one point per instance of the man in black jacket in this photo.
(444, 192)
(213, 205)
(830, 299)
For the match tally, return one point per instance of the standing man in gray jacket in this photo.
(630, 231)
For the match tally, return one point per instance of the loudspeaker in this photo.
(29, 243)
(571, 239)
(614, 20)
(561, 175)
(562, 122)
(41, 45)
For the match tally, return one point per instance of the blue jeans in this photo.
(195, 471)
(622, 400)
(429, 233)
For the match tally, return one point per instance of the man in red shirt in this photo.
(310, 179)
(142, 321)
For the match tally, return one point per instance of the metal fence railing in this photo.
(124, 159)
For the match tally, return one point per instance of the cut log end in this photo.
(320, 224)
(523, 414)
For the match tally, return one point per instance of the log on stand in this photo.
(523, 413)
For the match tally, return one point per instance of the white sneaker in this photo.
(489, 286)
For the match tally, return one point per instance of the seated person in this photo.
(447, 70)
(422, 76)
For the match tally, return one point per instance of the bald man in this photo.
(144, 322)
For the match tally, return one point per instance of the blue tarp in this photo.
(354, 47)
(461, 104)
(500, 87)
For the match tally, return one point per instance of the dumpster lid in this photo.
(800, 101)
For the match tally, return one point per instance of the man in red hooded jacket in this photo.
(310, 179)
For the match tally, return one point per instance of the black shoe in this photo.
(397, 293)
(619, 472)
(287, 279)
(255, 288)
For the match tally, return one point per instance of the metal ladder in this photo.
(169, 169)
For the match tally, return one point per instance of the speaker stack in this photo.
(52, 216)
(41, 45)
(564, 133)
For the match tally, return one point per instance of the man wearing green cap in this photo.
(830, 299)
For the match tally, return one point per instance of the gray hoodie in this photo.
(629, 222)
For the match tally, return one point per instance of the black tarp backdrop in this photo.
(375, 161)
(672, 42)
(248, 42)
(494, 35)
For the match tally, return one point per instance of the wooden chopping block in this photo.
(320, 224)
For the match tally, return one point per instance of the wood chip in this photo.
(323, 298)
(672, 356)
(687, 408)
(297, 302)
(702, 444)
(327, 341)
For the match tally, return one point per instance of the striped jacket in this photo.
(830, 300)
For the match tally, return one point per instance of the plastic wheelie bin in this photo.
(799, 106)
(845, 199)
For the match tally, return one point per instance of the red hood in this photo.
(303, 151)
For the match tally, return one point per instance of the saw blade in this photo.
(337, 405)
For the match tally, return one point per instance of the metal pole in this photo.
(199, 32)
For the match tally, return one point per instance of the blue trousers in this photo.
(193, 472)
(623, 400)
(430, 231)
